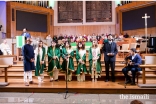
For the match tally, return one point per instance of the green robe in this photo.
(70, 62)
(51, 62)
(80, 67)
(40, 67)
(98, 63)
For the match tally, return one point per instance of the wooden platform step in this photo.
(99, 87)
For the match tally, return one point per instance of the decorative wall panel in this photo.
(70, 11)
(98, 11)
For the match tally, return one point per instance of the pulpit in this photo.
(20, 41)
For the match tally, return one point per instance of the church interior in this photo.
(72, 33)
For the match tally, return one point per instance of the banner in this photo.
(88, 45)
(20, 41)
(73, 45)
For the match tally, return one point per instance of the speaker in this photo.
(13, 16)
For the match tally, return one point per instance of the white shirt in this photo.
(134, 56)
(82, 52)
(5, 49)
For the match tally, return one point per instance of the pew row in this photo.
(118, 67)
(6, 76)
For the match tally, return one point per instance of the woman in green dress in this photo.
(68, 64)
(39, 61)
(53, 61)
(94, 61)
(81, 62)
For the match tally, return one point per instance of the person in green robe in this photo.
(68, 64)
(94, 61)
(81, 62)
(39, 61)
(53, 61)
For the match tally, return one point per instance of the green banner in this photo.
(20, 41)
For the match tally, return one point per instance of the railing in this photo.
(36, 3)
(124, 2)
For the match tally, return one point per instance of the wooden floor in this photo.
(99, 87)
(15, 79)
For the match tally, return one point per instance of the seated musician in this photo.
(132, 65)
(5, 48)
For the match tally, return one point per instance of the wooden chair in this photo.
(138, 74)
(124, 49)
(133, 45)
(142, 49)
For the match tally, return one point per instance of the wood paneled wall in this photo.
(11, 25)
(84, 29)
(128, 7)
(141, 32)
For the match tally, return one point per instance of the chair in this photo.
(124, 49)
(133, 45)
(143, 46)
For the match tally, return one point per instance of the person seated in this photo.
(25, 33)
(49, 37)
(126, 36)
(132, 65)
(5, 48)
(105, 40)
(101, 40)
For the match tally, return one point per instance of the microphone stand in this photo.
(66, 89)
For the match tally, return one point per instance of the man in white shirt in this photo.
(48, 37)
(5, 48)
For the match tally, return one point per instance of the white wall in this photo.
(3, 15)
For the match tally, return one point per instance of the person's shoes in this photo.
(51, 80)
(106, 80)
(128, 81)
(56, 80)
(113, 80)
(31, 82)
(26, 84)
(133, 83)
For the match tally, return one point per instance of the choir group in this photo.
(36, 59)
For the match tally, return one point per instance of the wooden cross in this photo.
(145, 17)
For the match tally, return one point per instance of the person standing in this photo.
(25, 33)
(68, 63)
(40, 61)
(94, 61)
(110, 51)
(81, 62)
(28, 61)
(53, 61)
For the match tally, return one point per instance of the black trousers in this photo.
(133, 70)
(112, 65)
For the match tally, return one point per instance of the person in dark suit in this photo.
(110, 51)
(133, 66)
(28, 62)
(25, 33)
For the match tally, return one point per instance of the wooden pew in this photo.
(7, 59)
(143, 71)
(6, 76)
